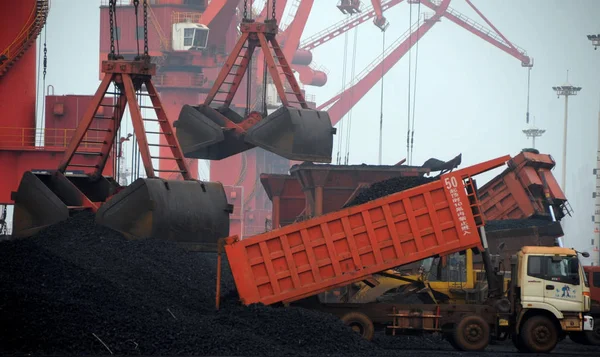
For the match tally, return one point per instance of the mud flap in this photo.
(201, 133)
(190, 212)
(295, 134)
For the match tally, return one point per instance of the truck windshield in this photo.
(563, 269)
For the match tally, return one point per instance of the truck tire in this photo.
(539, 334)
(360, 323)
(472, 333)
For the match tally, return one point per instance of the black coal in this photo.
(76, 284)
(498, 225)
(388, 187)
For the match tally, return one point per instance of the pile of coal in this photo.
(498, 225)
(388, 187)
(77, 288)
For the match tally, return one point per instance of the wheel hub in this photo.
(541, 334)
(357, 328)
(474, 333)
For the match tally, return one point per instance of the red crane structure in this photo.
(189, 41)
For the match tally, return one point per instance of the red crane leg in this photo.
(172, 100)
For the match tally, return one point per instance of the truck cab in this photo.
(550, 296)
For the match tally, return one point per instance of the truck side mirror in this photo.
(585, 254)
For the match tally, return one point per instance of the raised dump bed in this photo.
(342, 247)
(526, 189)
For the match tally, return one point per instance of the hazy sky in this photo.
(470, 97)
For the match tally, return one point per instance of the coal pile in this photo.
(498, 225)
(388, 187)
(76, 286)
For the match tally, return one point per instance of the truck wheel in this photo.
(539, 334)
(472, 333)
(360, 323)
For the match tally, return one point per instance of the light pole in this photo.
(565, 90)
(596, 217)
(533, 132)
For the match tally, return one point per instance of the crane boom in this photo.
(340, 104)
(343, 26)
(492, 36)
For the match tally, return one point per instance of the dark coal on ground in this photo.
(75, 281)
(388, 187)
(75, 287)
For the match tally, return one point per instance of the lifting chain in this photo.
(136, 4)
(111, 11)
(45, 56)
(145, 27)
(245, 9)
(273, 12)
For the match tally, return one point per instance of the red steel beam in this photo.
(461, 20)
(343, 26)
(344, 102)
(380, 21)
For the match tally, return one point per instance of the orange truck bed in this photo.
(313, 256)
(526, 189)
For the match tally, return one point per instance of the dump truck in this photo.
(295, 263)
(525, 189)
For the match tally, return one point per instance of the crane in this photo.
(339, 105)
(354, 6)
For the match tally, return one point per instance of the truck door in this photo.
(561, 281)
(532, 285)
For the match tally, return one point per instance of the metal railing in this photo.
(40, 138)
(185, 16)
(479, 27)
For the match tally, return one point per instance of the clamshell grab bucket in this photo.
(296, 134)
(201, 133)
(46, 198)
(193, 213)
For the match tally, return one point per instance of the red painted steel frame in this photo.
(129, 76)
(254, 34)
(343, 102)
